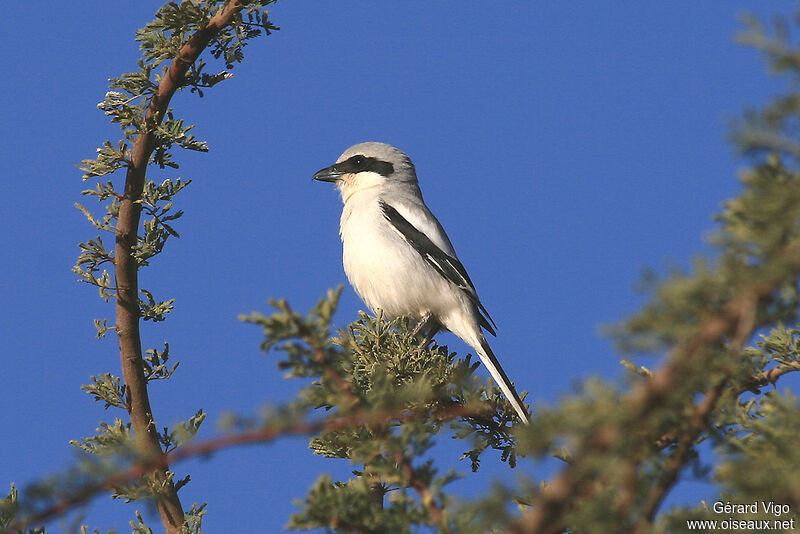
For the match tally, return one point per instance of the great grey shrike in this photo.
(398, 257)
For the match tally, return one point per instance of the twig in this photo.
(765, 378)
(424, 493)
(755, 382)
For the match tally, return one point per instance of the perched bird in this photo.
(398, 257)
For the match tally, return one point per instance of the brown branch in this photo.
(753, 384)
(126, 268)
(680, 456)
(736, 319)
(769, 377)
(376, 487)
(263, 435)
(424, 493)
(698, 422)
(161, 462)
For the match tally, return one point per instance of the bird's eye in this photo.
(358, 161)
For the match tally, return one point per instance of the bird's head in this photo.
(368, 166)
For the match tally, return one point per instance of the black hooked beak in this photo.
(328, 174)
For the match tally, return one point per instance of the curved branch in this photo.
(263, 435)
(126, 268)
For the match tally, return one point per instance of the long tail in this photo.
(490, 361)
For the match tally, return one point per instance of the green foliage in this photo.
(757, 459)
(163, 38)
(393, 393)
(183, 432)
(155, 364)
(108, 389)
(194, 519)
(109, 158)
(138, 526)
(490, 512)
(93, 256)
(772, 129)
(9, 508)
(110, 439)
(623, 446)
(151, 310)
(156, 203)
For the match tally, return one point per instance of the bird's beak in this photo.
(328, 174)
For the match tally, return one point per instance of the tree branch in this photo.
(424, 493)
(126, 268)
(679, 457)
(769, 377)
(264, 435)
(753, 384)
(736, 319)
(698, 423)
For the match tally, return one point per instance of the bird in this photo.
(398, 257)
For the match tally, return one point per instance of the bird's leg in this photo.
(423, 323)
(429, 323)
(429, 336)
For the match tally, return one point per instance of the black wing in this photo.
(449, 267)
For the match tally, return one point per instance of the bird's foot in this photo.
(421, 324)
(430, 326)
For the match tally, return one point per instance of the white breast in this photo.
(386, 272)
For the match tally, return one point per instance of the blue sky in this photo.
(564, 147)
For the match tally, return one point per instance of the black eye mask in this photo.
(359, 163)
